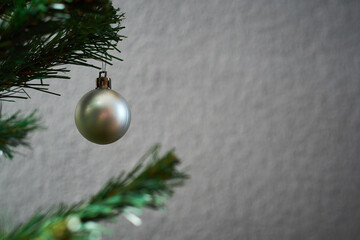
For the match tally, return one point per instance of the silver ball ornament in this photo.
(102, 115)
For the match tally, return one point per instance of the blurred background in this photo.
(260, 99)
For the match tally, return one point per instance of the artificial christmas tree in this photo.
(38, 38)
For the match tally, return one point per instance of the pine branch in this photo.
(37, 36)
(147, 185)
(14, 131)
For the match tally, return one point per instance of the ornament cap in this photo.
(103, 81)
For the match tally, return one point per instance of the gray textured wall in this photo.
(261, 100)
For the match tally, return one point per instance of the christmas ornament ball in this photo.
(102, 116)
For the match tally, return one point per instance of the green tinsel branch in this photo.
(37, 37)
(14, 131)
(147, 185)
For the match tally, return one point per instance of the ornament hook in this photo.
(103, 66)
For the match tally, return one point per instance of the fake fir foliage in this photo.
(38, 38)
(14, 130)
(145, 186)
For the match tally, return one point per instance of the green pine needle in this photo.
(149, 185)
(38, 36)
(14, 131)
